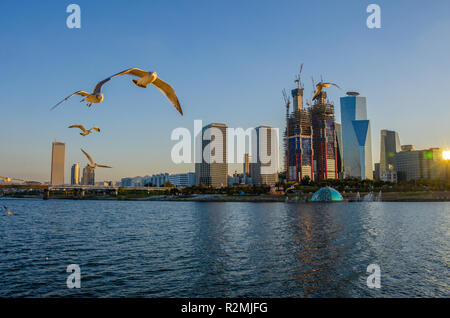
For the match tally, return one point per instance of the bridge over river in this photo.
(72, 191)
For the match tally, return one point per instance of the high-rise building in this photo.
(420, 164)
(246, 164)
(264, 169)
(356, 137)
(389, 146)
(324, 138)
(58, 162)
(340, 161)
(75, 174)
(246, 169)
(299, 140)
(88, 176)
(376, 172)
(212, 170)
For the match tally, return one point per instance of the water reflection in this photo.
(175, 249)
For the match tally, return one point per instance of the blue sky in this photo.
(228, 62)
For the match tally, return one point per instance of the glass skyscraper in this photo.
(212, 170)
(356, 137)
(389, 146)
(75, 174)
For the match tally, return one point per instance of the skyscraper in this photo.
(324, 138)
(75, 174)
(389, 146)
(356, 137)
(246, 167)
(213, 168)
(58, 160)
(340, 161)
(246, 164)
(88, 176)
(264, 169)
(299, 140)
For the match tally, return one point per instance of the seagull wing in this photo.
(96, 128)
(334, 85)
(17, 179)
(318, 90)
(103, 166)
(3, 178)
(98, 87)
(82, 93)
(89, 157)
(132, 71)
(329, 84)
(78, 126)
(168, 91)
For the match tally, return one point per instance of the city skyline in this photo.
(259, 72)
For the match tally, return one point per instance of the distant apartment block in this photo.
(389, 176)
(182, 179)
(419, 164)
(158, 180)
(376, 171)
(58, 163)
(88, 176)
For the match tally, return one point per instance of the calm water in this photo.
(190, 249)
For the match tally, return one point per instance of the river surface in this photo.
(201, 249)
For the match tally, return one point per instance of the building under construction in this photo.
(310, 137)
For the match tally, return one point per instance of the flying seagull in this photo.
(92, 163)
(7, 179)
(146, 78)
(7, 210)
(85, 131)
(95, 97)
(320, 86)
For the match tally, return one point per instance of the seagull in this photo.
(7, 179)
(92, 163)
(320, 86)
(85, 131)
(146, 78)
(95, 97)
(8, 210)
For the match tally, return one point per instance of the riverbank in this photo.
(435, 196)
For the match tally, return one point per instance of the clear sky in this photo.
(228, 62)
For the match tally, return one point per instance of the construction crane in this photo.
(298, 78)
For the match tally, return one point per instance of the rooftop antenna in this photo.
(298, 78)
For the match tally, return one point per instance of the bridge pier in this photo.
(46, 194)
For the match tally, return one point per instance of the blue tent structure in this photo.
(327, 194)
